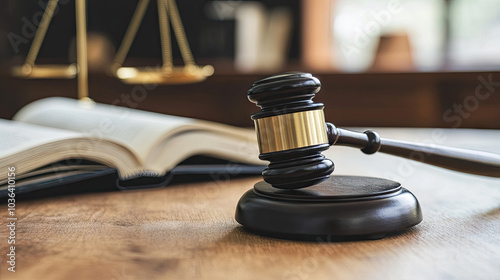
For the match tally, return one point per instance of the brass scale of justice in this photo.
(168, 73)
(298, 199)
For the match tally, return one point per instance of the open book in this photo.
(60, 137)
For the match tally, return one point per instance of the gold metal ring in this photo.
(291, 131)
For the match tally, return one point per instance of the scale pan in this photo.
(176, 75)
(50, 71)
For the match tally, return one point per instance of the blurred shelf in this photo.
(418, 99)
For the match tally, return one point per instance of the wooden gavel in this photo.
(292, 133)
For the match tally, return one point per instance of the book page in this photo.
(141, 132)
(137, 130)
(16, 137)
(28, 147)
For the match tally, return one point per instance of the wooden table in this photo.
(188, 231)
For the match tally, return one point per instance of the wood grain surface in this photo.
(188, 231)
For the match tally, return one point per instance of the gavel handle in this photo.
(463, 160)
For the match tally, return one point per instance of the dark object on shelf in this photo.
(394, 53)
(292, 133)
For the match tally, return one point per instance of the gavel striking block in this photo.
(298, 198)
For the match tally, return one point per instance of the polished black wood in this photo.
(298, 199)
(298, 168)
(463, 160)
(285, 94)
(298, 202)
(342, 207)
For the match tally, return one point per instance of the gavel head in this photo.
(291, 130)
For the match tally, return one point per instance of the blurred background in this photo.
(418, 63)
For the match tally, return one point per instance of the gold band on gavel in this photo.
(291, 131)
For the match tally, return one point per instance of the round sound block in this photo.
(341, 207)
